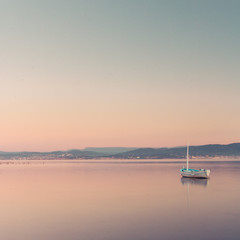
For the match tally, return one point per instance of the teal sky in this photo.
(118, 73)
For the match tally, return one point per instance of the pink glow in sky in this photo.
(132, 74)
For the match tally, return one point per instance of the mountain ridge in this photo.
(201, 151)
(209, 150)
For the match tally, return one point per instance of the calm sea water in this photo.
(113, 200)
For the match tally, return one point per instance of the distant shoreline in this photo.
(210, 151)
(218, 159)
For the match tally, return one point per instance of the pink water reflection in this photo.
(117, 201)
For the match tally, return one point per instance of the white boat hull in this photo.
(202, 173)
(194, 173)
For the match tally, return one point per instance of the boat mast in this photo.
(187, 155)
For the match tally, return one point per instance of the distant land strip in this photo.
(203, 151)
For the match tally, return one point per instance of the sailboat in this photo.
(194, 173)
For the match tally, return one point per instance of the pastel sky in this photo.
(130, 73)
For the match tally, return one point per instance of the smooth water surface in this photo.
(114, 200)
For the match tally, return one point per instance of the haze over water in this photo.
(113, 200)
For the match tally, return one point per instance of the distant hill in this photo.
(211, 150)
(71, 154)
(204, 151)
(109, 150)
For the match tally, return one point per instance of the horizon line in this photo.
(83, 149)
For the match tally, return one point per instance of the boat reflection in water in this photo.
(195, 181)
